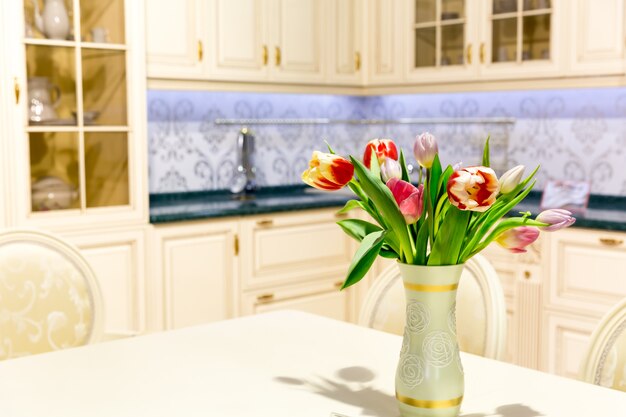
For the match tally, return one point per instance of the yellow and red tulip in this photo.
(328, 172)
(410, 199)
(473, 188)
(382, 148)
(516, 240)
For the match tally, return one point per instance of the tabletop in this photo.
(278, 364)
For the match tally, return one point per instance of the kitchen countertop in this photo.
(605, 212)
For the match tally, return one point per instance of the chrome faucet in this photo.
(244, 180)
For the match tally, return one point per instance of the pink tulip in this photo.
(556, 219)
(390, 169)
(425, 149)
(383, 148)
(410, 199)
(516, 240)
(473, 188)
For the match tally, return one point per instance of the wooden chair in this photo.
(605, 360)
(481, 309)
(49, 295)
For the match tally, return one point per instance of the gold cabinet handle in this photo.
(469, 53)
(357, 61)
(527, 274)
(279, 57)
(16, 87)
(341, 215)
(608, 241)
(482, 53)
(265, 298)
(265, 55)
(265, 222)
(200, 50)
(338, 284)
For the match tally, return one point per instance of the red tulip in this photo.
(410, 199)
(384, 148)
(473, 188)
(518, 238)
(328, 172)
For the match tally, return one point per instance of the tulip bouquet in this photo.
(445, 218)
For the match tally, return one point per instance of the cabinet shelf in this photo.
(75, 129)
(510, 15)
(448, 22)
(105, 46)
(50, 42)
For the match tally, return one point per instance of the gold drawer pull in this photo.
(527, 274)
(482, 53)
(265, 55)
(341, 215)
(265, 222)
(338, 284)
(609, 241)
(469, 53)
(16, 87)
(200, 50)
(279, 56)
(265, 298)
(357, 61)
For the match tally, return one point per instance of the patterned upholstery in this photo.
(49, 298)
(481, 311)
(605, 361)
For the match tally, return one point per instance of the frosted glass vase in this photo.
(429, 378)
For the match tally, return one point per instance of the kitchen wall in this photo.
(574, 134)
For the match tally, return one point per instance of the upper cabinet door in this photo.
(385, 41)
(296, 48)
(521, 39)
(238, 36)
(597, 37)
(344, 42)
(176, 39)
(441, 40)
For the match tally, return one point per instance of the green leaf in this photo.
(351, 205)
(380, 194)
(435, 176)
(405, 171)
(450, 238)
(387, 252)
(486, 152)
(330, 149)
(374, 165)
(364, 257)
(421, 243)
(358, 229)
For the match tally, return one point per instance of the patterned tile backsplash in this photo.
(574, 134)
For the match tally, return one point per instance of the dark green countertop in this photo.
(604, 212)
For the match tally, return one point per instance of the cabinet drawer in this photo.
(587, 270)
(284, 249)
(323, 298)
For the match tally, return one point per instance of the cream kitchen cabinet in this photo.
(385, 40)
(118, 258)
(239, 40)
(194, 276)
(586, 270)
(215, 269)
(176, 38)
(596, 37)
(345, 42)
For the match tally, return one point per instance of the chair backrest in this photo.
(481, 308)
(49, 295)
(605, 361)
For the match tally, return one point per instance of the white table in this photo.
(280, 364)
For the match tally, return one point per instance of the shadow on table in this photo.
(509, 410)
(349, 386)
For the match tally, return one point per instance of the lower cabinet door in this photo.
(118, 260)
(566, 339)
(323, 299)
(194, 276)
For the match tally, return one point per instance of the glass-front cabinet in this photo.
(461, 40)
(78, 147)
(440, 40)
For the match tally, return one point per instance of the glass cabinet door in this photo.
(439, 33)
(77, 104)
(520, 30)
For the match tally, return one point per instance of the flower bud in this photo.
(556, 219)
(511, 179)
(516, 240)
(390, 169)
(425, 149)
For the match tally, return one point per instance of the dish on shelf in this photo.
(52, 193)
(54, 122)
(89, 116)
